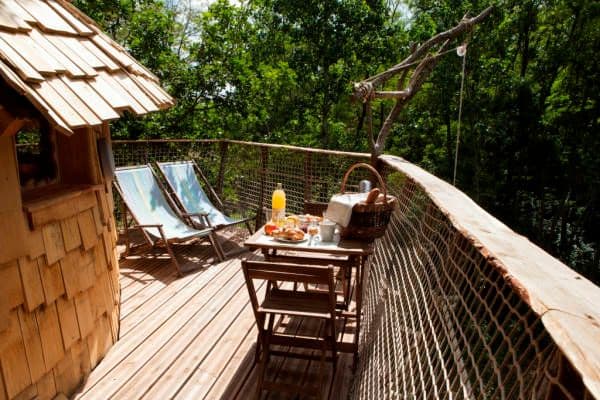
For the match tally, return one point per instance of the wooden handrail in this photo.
(255, 144)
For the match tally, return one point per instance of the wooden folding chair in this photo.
(192, 199)
(153, 213)
(278, 302)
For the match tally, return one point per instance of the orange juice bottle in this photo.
(278, 205)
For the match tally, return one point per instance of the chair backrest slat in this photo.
(289, 272)
(287, 277)
(283, 272)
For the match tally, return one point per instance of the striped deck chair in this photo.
(182, 178)
(145, 200)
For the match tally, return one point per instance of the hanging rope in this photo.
(462, 52)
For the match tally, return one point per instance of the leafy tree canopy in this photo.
(281, 71)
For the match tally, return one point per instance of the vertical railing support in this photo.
(264, 160)
(223, 147)
(308, 177)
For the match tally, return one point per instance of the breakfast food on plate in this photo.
(288, 233)
(292, 220)
(294, 228)
(310, 218)
(270, 227)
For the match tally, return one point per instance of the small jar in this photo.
(364, 186)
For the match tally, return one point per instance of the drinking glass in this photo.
(313, 229)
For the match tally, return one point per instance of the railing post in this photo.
(308, 178)
(224, 146)
(147, 152)
(264, 160)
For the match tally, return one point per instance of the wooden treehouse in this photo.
(61, 82)
(449, 303)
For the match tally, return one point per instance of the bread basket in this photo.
(368, 221)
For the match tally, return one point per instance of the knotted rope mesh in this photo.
(439, 319)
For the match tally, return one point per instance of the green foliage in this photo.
(281, 71)
(529, 142)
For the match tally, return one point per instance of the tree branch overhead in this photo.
(423, 63)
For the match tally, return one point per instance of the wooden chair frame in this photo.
(265, 317)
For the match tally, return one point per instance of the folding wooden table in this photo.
(356, 251)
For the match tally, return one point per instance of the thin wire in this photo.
(462, 85)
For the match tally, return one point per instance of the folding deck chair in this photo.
(145, 200)
(182, 178)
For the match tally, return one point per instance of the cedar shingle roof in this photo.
(74, 74)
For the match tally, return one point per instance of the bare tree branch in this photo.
(365, 90)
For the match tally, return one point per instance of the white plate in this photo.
(284, 240)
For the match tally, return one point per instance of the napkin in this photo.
(339, 209)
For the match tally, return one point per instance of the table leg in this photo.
(347, 283)
(267, 254)
(359, 288)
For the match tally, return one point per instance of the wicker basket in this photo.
(368, 221)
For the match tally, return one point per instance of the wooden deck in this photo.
(195, 337)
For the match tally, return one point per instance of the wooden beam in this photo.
(13, 235)
(398, 94)
(12, 128)
(10, 125)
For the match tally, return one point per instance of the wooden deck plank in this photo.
(249, 386)
(294, 371)
(172, 298)
(181, 339)
(195, 337)
(208, 358)
(146, 286)
(233, 376)
(145, 275)
(153, 283)
(148, 341)
(143, 331)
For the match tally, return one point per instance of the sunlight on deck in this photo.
(195, 336)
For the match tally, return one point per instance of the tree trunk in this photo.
(528, 21)
(449, 143)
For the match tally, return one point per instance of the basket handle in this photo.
(370, 168)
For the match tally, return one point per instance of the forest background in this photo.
(281, 71)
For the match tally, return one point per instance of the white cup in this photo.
(327, 230)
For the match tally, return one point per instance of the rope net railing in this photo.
(440, 319)
(246, 174)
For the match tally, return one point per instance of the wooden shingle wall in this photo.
(59, 288)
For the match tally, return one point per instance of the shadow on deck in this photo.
(195, 336)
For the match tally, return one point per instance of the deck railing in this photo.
(456, 304)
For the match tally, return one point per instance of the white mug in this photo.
(327, 230)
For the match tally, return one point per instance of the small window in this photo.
(36, 156)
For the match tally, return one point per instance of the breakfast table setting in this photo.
(343, 237)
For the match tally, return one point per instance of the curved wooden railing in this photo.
(457, 305)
